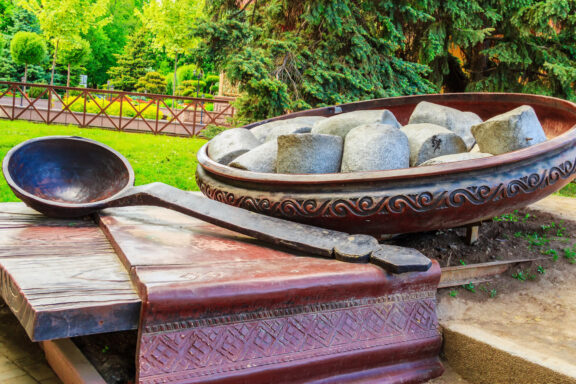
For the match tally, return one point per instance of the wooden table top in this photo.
(62, 278)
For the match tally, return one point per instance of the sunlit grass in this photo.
(569, 190)
(171, 160)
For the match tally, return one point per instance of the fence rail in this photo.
(118, 110)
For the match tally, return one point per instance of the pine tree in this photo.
(497, 46)
(300, 54)
(532, 49)
(133, 63)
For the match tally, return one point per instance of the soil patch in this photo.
(112, 354)
(522, 234)
(518, 235)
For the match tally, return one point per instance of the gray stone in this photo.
(309, 153)
(287, 129)
(305, 122)
(373, 147)
(428, 141)
(456, 157)
(260, 159)
(457, 121)
(515, 129)
(230, 144)
(341, 124)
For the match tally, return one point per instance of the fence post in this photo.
(120, 117)
(49, 105)
(13, 102)
(85, 96)
(194, 117)
(157, 115)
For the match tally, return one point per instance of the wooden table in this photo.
(212, 305)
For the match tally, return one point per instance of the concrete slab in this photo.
(526, 336)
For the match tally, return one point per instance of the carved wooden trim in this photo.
(190, 350)
(369, 206)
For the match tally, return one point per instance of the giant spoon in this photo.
(63, 176)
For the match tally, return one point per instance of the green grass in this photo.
(171, 160)
(569, 190)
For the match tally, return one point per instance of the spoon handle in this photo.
(302, 237)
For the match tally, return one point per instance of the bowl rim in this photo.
(567, 138)
(96, 204)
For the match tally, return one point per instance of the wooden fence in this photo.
(118, 110)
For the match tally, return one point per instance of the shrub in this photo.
(184, 73)
(188, 88)
(152, 82)
(211, 131)
(74, 93)
(34, 92)
(211, 79)
(114, 108)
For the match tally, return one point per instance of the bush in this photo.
(114, 109)
(188, 88)
(152, 82)
(212, 79)
(34, 92)
(184, 73)
(211, 131)
(74, 93)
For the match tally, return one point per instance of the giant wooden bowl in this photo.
(411, 199)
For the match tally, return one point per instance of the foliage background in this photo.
(290, 55)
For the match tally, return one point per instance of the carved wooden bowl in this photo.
(412, 199)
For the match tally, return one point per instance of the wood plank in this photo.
(62, 278)
(70, 364)
(475, 273)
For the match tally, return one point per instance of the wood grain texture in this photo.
(61, 278)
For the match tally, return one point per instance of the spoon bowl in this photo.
(63, 176)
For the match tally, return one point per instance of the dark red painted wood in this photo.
(220, 307)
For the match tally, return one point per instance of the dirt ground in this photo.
(518, 235)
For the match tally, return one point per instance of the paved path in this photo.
(21, 361)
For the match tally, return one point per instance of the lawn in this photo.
(171, 160)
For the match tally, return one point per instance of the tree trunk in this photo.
(68, 80)
(25, 76)
(54, 63)
(174, 80)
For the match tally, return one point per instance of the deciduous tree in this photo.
(66, 20)
(171, 22)
(27, 48)
(74, 54)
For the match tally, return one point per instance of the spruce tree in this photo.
(290, 55)
(532, 49)
(133, 64)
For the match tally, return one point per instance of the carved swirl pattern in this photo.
(369, 206)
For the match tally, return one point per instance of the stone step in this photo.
(482, 357)
(524, 337)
